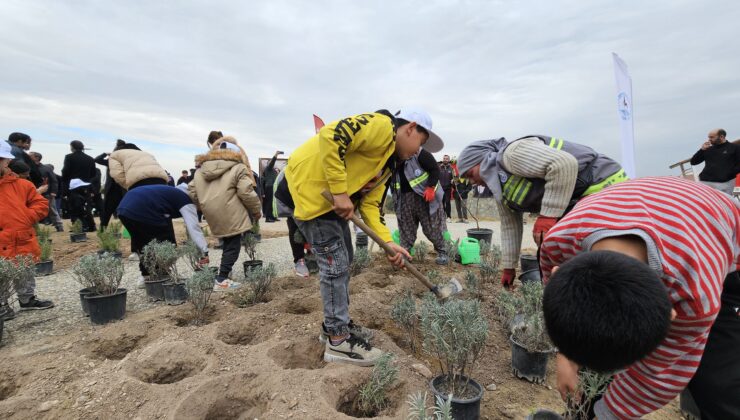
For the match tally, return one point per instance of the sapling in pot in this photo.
(45, 266)
(454, 332)
(101, 277)
(250, 241)
(360, 261)
(109, 242)
(403, 313)
(160, 258)
(77, 232)
(200, 287)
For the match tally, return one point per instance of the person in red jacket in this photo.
(21, 206)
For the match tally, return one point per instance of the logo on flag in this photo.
(623, 106)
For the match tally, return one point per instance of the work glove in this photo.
(541, 226)
(429, 194)
(507, 277)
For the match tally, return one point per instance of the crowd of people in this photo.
(641, 274)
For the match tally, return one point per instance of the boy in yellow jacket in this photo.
(353, 159)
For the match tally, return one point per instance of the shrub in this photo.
(76, 227)
(108, 240)
(373, 394)
(13, 271)
(115, 227)
(591, 386)
(454, 332)
(160, 259)
(403, 312)
(360, 261)
(490, 262)
(102, 274)
(249, 240)
(472, 283)
(418, 409)
(259, 280)
(530, 332)
(200, 287)
(433, 276)
(451, 247)
(422, 250)
(192, 254)
(46, 250)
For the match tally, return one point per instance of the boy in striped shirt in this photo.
(636, 277)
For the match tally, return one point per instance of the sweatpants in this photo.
(230, 253)
(716, 384)
(296, 248)
(331, 240)
(412, 210)
(143, 233)
(80, 208)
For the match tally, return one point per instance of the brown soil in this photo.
(264, 361)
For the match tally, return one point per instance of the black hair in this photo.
(19, 137)
(77, 145)
(399, 122)
(213, 136)
(722, 133)
(19, 167)
(127, 146)
(605, 310)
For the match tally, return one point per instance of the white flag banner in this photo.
(626, 114)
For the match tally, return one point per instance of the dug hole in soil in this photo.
(263, 361)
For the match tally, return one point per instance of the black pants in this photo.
(297, 248)
(143, 233)
(462, 208)
(80, 208)
(231, 248)
(111, 201)
(267, 204)
(716, 384)
(446, 202)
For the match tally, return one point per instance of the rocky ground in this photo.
(263, 361)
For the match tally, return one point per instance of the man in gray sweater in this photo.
(535, 174)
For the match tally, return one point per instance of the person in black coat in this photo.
(112, 192)
(79, 165)
(50, 179)
(20, 143)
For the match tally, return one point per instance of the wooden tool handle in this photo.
(388, 250)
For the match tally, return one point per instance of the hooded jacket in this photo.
(129, 166)
(21, 207)
(224, 191)
(244, 158)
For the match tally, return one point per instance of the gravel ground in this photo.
(63, 290)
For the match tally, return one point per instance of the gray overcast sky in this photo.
(163, 74)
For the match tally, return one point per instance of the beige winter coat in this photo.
(244, 157)
(224, 192)
(128, 166)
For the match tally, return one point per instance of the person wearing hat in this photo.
(353, 159)
(78, 165)
(21, 207)
(535, 174)
(418, 197)
(20, 143)
(80, 204)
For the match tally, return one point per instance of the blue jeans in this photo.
(332, 242)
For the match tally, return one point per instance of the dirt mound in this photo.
(168, 363)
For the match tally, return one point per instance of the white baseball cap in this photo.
(5, 150)
(77, 183)
(434, 144)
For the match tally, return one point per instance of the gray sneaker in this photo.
(442, 259)
(354, 350)
(300, 268)
(364, 333)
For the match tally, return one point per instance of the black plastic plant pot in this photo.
(544, 415)
(481, 234)
(529, 365)
(44, 268)
(531, 276)
(104, 309)
(115, 254)
(529, 262)
(78, 237)
(155, 289)
(251, 265)
(462, 409)
(175, 293)
(83, 302)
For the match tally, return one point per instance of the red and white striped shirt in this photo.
(693, 242)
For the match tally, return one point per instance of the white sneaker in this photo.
(226, 285)
(354, 351)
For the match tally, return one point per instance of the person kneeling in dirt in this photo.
(353, 159)
(147, 214)
(224, 191)
(643, 282)
(21, 206)
(534, 174)
(418, 197)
